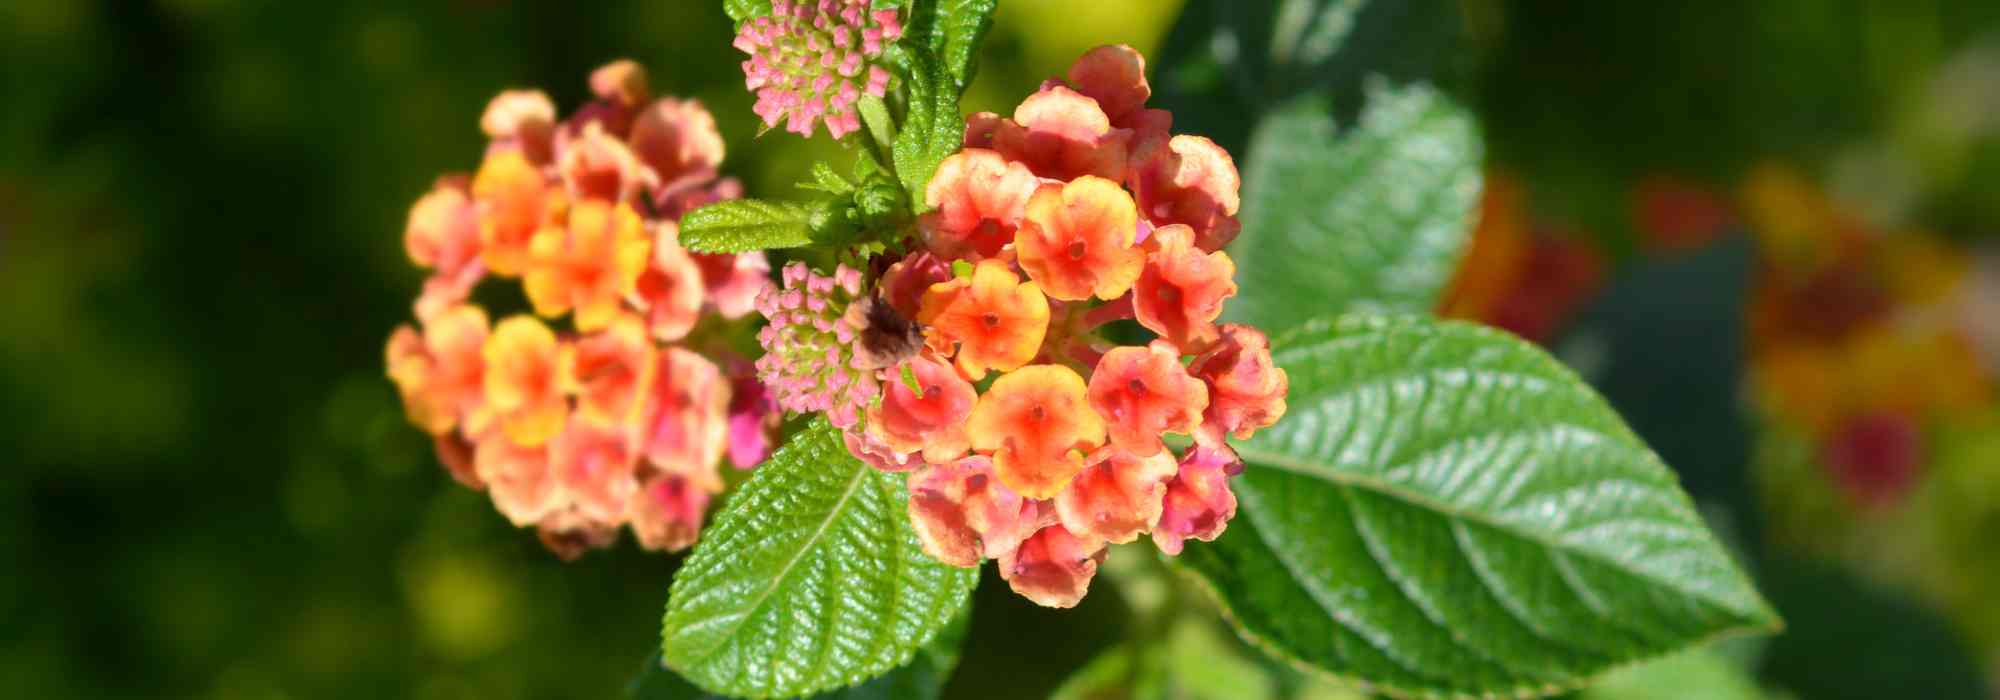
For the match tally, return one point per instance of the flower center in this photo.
(992, 320)
(1136, 386)
(1076, 250)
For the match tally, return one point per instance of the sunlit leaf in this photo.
(811, 579)
(1447, 511)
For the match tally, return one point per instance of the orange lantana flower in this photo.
(1180, 293)
(1037, 425)
(1062, 135)
(524, 380)
(1053, 567)
(996, 320)
(977, 199)
(1143, 393)
(1078, 240)
(1118, 496)
(515, 201)
(930, 417)
(589, 265)
(439, 372)
(609, 370)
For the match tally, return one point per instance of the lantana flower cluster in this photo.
(614, 421)
(981, 361)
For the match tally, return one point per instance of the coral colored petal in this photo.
(1053, 568)
(1037, 425)
(518, 479)
(686, 420)
(1246, 391)
(1118, 496)
(667, 512)
(1188, 180)
(1078, 240)
(1143, 393)
(1198, 503)
(597, 468)
(996, 320)
(1181, 290)
(977, 199)
(1113, 75)
(928, 419)
(962, 514)
(678, 140)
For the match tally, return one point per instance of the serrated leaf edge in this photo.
(1772, 624)
(861, 476)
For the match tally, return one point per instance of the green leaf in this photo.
(809, 580)
(951, 29)
(1446, 511)
(1370, 220)
(739, 10)
(826, 180)
(932, 127)
(961, 27)
(741, 225)
(923, 678)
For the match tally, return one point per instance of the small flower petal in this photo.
(1189, 180)
(514, 202)
(932, 421)
(1246, 391)
(1078, 240)
(1118, 496)
(1053, 567)
(596, 466)
(666, 514)
(977, 199)
(1198, 504)
(589, 265)
(1180, 292)
(963, 514)
(1037, 425)
(1144, 393)
(996, 320)
(523, 380)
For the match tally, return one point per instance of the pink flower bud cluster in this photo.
(809, 361)
(808, 59)
(582, 431)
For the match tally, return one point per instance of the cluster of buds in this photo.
(811, 60)
(980, 362)
(579, 433)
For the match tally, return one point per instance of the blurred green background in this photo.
(210, 490)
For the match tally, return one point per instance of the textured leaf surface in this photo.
(809, 580)
(1369, 220)
(923, 678)
(961, 26)
(1447, 512)
(741, 225)
(932, 127)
